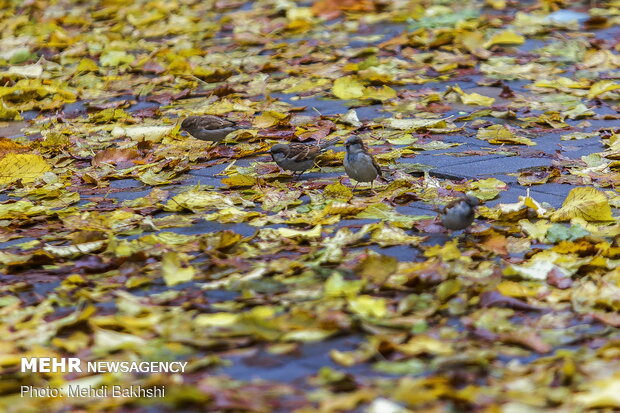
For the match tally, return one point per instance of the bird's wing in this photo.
(328, 143)
(376, 165)
(302, 152)
(213, 122)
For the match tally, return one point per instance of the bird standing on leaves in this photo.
(209, 127)
(298, 157)
(460, 213)
(359, 163)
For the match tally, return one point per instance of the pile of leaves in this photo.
(124, 239)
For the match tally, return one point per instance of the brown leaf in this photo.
(611, 319)
(330, 9)
(167, 97)
(559, 280)
(318, 133)
(496, 243)
(529, 340)
(115, 156)
(152, 66)
(278, 134)
(506, 92)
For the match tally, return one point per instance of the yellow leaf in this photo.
(308, 335)
(87, 65)
(270, 119)
(505, 38)
(474, 43)
(115, 58)
(448, 288)
(601, 87)
(231, 215)
(337, 286)
(27, 167)
(237, 181)
(108, 340)
(32, 71)
(337, 191)
(9, 146)
(341, 208)
(75, 249)
(197, 200)
(377, 268)
(142, 133)
(497, 4)
(515, 289)
(500, 134)
(7, 113)
(28, 93)
(419, 391)
(216, 320)
(346, 401)
(344, 358)
(535, 230)
(304, 85)
(292, 233)
(259, 313)
(530, 202)
(19, 209)
(601, 393)
(425, 345)
(379, 93)
(348, 87)
(412, 124)
(489, 188)
(277, 200)
(539, 266)
(563, 82)
(386, 235)
(174, 270)
(473, 98)
(448, 252)
(368, 306)
(584, 202)
(75, 342)
(299, 13)
(477, 99)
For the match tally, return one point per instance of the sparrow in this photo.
(208, 127)
(460, 213)
(359, 163)
(298, 157)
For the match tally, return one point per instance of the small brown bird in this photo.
(298, 157)
(460, 213)
(209, 127)
(359, 163)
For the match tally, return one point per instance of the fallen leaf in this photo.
(584, 202)
(27, 167)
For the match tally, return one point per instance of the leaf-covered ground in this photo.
(123, 239)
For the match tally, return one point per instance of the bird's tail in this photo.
(328, 143)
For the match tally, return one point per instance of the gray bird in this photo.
(359, 163)
(460, 213)
(298, 157)
(208, 127)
